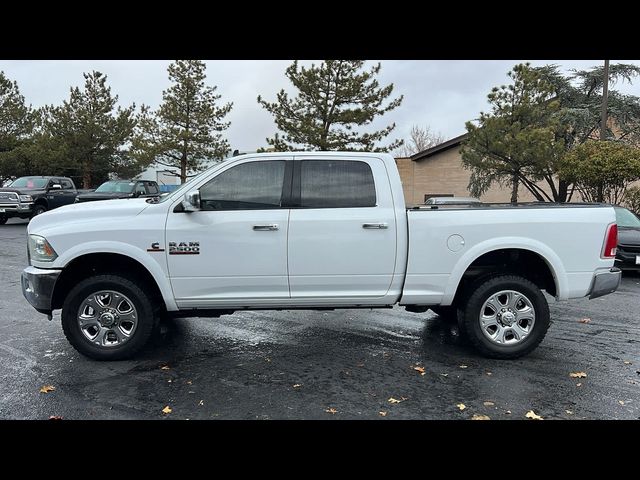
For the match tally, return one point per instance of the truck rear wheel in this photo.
(505, 317)
(107, 317)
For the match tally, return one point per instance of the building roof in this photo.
(454, 142)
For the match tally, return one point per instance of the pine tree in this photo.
(333, 99)
(90, 129)
(16, 124)
(185, 131)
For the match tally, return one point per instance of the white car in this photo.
(311, 231)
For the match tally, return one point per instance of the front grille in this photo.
(630, 248)
(8, 197)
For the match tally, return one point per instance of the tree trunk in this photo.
(563, 191)
(514, 188)
(183, 169)
(600, 192)
(86, 175)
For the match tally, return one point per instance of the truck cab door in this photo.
(342, 230)
(233, 250)
(69, 193)
(54, 194)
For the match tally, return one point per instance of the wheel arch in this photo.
(112, 262)
(522, 256)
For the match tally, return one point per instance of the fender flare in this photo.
(125, 250)
(552, 260)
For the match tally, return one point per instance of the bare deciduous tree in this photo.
(420, 138)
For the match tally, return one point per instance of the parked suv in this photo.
(121, 189)
(31, 196)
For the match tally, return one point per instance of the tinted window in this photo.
(66, 184)
(249, 186)
(153, 188)
(336, 184)
(140, 188)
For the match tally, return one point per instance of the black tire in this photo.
(38, 210)
(480, 292)
(141, 301)
(3, 220)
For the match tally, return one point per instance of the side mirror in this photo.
(55, 186)
(191, 202)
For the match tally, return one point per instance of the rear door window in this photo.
(336, 184)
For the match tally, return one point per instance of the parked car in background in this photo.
(121, 189)
(628, 254)
(31, 196)
(451, 200)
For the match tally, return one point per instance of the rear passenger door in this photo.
(68, 194)
(342, 229)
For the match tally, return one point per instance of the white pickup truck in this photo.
(312, 231)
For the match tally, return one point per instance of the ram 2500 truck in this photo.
(27, 197)
(312, 231)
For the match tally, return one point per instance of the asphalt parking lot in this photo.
(352, 364)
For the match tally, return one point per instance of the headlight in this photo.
(41, 250)
(26, 198)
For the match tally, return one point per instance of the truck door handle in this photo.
(375, 225)
(265, 228)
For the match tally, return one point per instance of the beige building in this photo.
(438, 172)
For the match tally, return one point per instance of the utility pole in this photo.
(605, 101)
(603, 118)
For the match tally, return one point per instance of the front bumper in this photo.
(605, 282)
(37, 287)
(16, 209)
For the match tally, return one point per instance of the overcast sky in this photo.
(441, 94)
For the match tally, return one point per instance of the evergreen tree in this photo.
(89, 129)
(185, 131)
(333, 99)
(16, 125)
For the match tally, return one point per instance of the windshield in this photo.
(624, 218)
(29, 182)
(116, 187)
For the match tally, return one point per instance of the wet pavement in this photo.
(320, 365)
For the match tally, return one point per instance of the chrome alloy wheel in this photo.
(507, 317)
(107, 318)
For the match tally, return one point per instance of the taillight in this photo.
(610, 242)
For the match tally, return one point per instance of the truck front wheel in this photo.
(506, 316)
(107, 317)
(38, 210)
(3, 219)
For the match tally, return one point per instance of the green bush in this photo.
(632, 199)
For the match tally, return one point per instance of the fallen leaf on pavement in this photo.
(382, 413)
(508, 412)
(332, 411)
(201, 402)
(297, 385)
(578, 384)
(621, 402)
(189, 382)
(268, 359)
(395, 400)
(47, 389)
(569, 412)
(584, 320)
(489, 373)
(480, 417)
(461, 406)
(165, 367)
(533, 416)
(488, 404)
(360, 365)
(444, 374)
(578, 375)
(419, 369)
(464, 366)
(166, 410)
(55, 417)
(627, 362)
(169, 381)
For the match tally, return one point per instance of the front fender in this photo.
(126, 250)
(548, 255)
